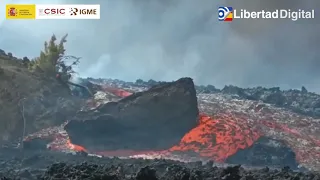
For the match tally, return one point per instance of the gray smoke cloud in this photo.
(166, 40)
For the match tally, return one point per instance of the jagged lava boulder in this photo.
(152, 120)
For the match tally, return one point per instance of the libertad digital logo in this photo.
(228, 14)
(225, 14)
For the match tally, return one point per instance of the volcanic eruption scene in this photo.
(159, 90)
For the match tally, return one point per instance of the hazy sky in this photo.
(168, 39)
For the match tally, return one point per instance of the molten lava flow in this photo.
(217, 139)
(117, 92)
(75, 147)
(212, 138)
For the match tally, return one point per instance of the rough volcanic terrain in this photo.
(230, 123)
(45, 165)
(163, 122)
(230, 129)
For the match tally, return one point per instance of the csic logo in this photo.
(225, 13)
(52, 11)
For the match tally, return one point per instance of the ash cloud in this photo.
(165, 40)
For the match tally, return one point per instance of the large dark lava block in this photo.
(155, 119)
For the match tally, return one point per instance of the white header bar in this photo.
(68, 11)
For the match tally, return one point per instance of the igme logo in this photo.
(76, 11)
(225, 14)
(73, 11)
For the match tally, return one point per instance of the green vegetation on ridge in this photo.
(52, 60)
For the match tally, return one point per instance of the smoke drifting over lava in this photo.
(165, 40)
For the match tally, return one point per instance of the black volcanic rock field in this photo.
(186, 132)
(17, 164)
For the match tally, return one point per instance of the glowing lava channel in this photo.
(212, 138)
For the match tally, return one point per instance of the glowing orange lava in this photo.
(117, 92)
(75, 147)
(217, 139)
(212, 138)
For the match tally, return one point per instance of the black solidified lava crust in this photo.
(18, 164)
(155, 119)
(265, 151)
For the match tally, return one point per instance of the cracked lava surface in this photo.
(225, 126)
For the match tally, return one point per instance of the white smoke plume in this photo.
(165, 40)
